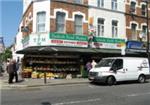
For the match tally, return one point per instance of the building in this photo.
(2, 46)
(55, 37)
(107, 18)
(136, 26)
(60, 36)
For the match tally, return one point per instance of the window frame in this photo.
(143, 11)
(133, 32)
(133, 9)
(76, 26)
(40, 23)
(100, 26)
(78, 1)
(114, 29)
(114, 4)
(58, 24)
(100, 3)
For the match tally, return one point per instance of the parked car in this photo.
(114, 69)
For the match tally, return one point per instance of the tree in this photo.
(6, 54)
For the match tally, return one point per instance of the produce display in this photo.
(26, 73)
(56, 67)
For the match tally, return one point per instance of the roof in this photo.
(51, 49)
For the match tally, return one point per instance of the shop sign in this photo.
(110, 43)
(135, 45)
(25, 41)
(35, 40)
(71, 40)
(39, 39)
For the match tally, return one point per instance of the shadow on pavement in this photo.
(20, 81)
(118, 83)
(46, 103)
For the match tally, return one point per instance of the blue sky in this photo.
(10, 17)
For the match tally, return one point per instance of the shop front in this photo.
(64, 55)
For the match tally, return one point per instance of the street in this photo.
(79, 94)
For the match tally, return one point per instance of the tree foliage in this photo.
(6, 54)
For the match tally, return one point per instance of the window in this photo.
(143, 12)
(133, 31)
(132, 7)
(100, 27)
(78, 24)
(100, 3)
(144, 32)
(114, 28)
(114, 4)
(78, 1)
(60, 22)
(118, 64)
(41, 18)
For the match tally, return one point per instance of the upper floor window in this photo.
(133, 7)
(100, 3)
(41, 20)
(78, 24)
(114, 28)
(60, 22)
(100, 27)
(144, 31)
(114, 4)
(143, 10)
(78, 1)
(133, 31)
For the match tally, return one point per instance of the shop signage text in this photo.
(71, 40)
(108, 43)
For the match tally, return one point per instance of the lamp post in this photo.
(147, 21)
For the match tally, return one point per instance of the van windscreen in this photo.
(105, 63)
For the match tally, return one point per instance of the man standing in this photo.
(10, 71)
(15, 67)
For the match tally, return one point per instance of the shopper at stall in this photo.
(93, 63)
(88, 66)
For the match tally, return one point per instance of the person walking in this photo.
(10, 71)
(15, 67)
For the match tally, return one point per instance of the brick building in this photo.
(136, 23)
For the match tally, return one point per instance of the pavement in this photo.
(29, 82)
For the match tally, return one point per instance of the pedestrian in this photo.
(15, 67)
(10, 71)
(88, 66)
(93, 63)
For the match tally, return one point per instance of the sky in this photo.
(10, 18)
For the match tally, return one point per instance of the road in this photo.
(79, 94)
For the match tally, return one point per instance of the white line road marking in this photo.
(78, 101)
(138, 94)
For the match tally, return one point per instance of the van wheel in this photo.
(111, 80)
(141, 79)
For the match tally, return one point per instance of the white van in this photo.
(113, 69)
